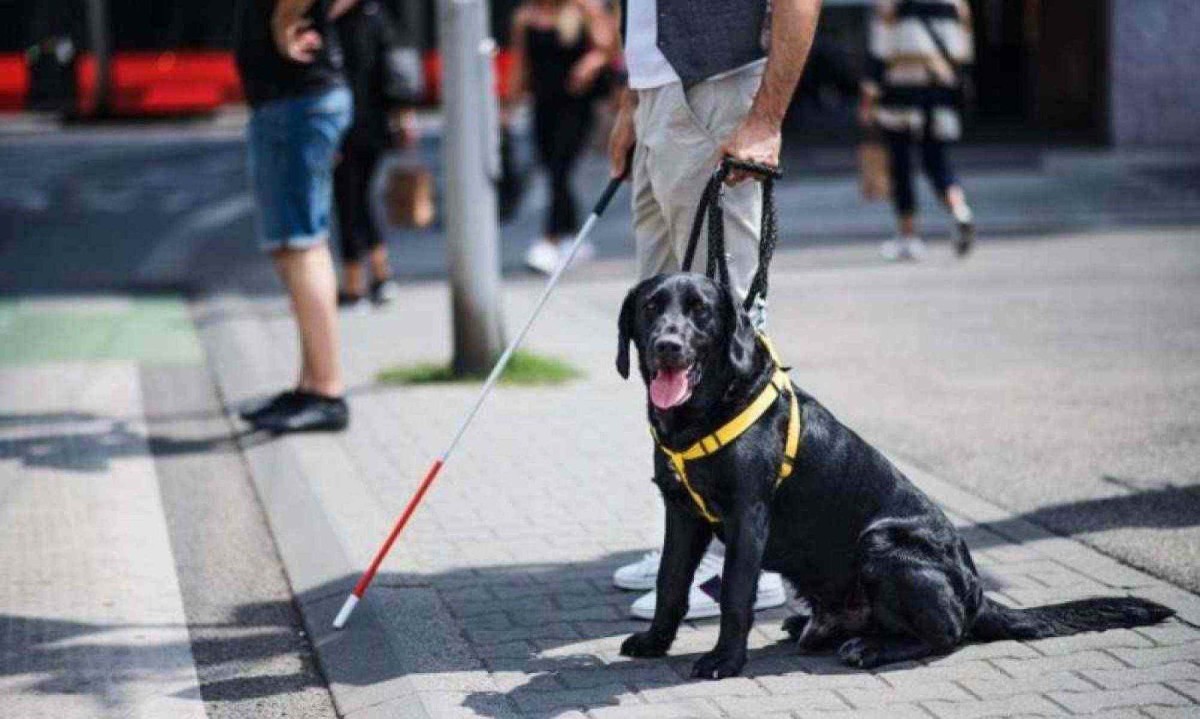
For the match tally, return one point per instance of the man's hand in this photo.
(758, 138)
(755, 140)
(622, 137)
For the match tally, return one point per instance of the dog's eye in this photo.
(698, 309)
(650, 308)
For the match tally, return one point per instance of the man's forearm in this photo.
(793, 25)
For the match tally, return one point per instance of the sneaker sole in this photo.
(635, 586)
(766, 602)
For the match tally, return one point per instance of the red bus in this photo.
(169, 58)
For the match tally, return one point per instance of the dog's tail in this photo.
(996, 621)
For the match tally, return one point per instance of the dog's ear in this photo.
(625, 332)
(741, 340)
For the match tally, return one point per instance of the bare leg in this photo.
(378, 259)
(956, 203)
(907, 225)
(356, 283)
(311, 282)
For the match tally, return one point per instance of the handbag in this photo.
(875, 180)
(409, 197)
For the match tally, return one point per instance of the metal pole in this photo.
(100, 40)
(469, 144)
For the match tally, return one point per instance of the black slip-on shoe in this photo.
(384, 291)
(309, 412)
(965, 239)
(253, 410)
(350, 301)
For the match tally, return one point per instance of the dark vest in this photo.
(703, 38)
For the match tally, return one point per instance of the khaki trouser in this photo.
(678, 136)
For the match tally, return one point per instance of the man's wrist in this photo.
(766, 117)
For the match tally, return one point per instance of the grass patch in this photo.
(525, 369)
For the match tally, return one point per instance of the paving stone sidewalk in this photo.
(498, 603)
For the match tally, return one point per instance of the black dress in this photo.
(561, 121)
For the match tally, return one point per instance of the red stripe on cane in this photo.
(369, 575)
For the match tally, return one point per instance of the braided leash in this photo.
(710, 209)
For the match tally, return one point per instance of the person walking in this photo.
(290, 63)
(368, 38)
(707, 79)
(919, 53)
(562, 50)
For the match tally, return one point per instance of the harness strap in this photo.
(736, 427)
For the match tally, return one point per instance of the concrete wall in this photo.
(1155, 66)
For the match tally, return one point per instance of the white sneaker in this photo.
(585, 253)
(704, 598)
(915, 248)
(894, 250)
(542, 256)
(640, 575)
(903, 248)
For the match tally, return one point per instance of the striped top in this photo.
(908, 74)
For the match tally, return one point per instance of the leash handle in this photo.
(709, 208)
(755, 168)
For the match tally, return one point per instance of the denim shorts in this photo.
(291, 146)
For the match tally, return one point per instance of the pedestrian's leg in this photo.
(936, 162)
(900, 167)
(907, 244)
(347, 192)
(309, 277)
(376, 249)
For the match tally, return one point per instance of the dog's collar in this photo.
(736, 427)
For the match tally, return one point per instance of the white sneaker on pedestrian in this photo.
(704, 597)
(640, 575)
(894, 250)
(915, 248)
(903, 248)
(542, 256)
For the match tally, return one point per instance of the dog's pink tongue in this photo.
(669, 388)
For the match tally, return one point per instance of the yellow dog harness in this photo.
(736, 427)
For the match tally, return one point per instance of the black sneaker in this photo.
(384, 291)
(965, 239)
(350, 301)
(252, 411)
(307, 412)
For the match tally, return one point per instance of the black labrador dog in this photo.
(884, 572)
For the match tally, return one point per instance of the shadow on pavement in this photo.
(91, 450)
(65, 657)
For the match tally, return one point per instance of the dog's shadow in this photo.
(563, 679)
(563, 683)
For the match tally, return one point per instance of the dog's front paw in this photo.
(719, 664)
(859, 653)
(644, 644)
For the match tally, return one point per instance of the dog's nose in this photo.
(668, 348)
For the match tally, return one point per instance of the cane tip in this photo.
(344, 613)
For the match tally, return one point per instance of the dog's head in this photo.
(693, 338)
